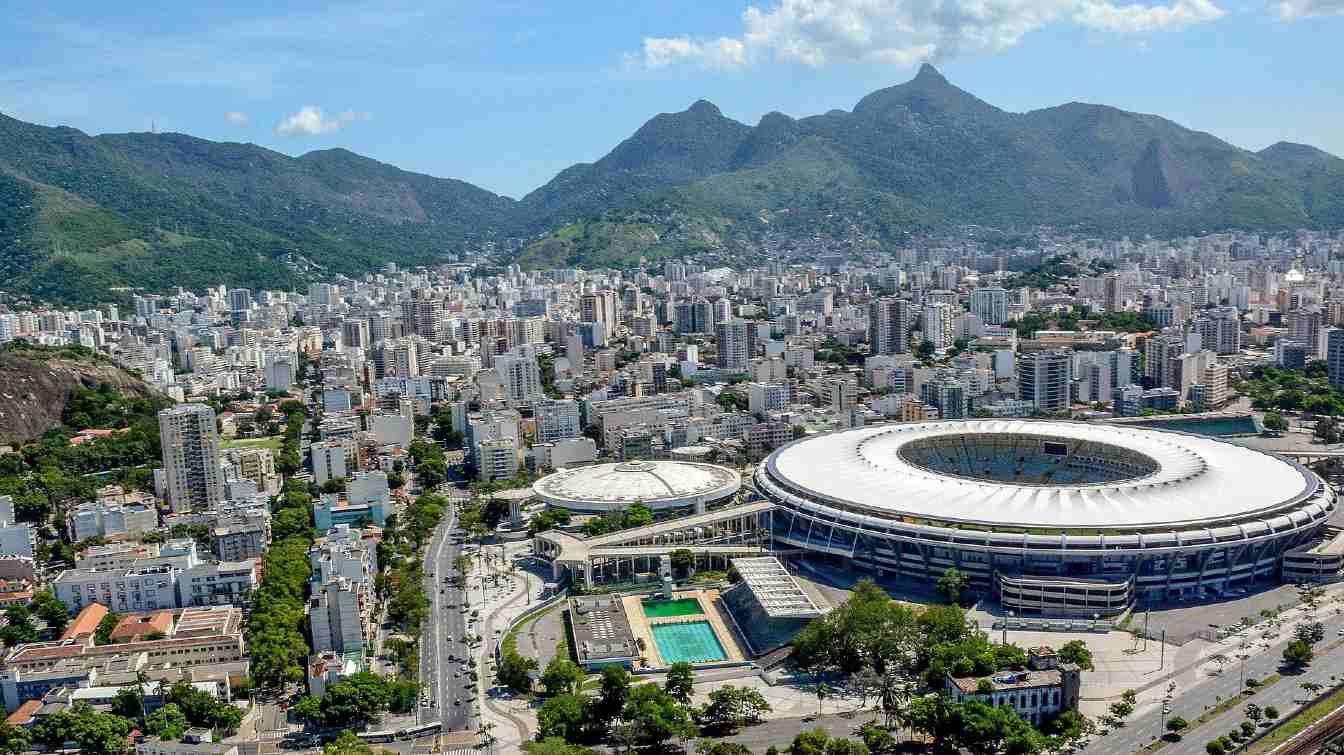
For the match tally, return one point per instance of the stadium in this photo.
(1056, 517)
(663, 486)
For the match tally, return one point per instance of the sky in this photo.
(506, 94)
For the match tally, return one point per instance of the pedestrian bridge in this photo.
(714, 536)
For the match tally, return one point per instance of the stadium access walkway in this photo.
(718, 535)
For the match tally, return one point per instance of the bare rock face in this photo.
(34, 387)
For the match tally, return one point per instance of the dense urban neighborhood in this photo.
(1058, 495)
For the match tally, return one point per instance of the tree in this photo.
(638, 515)
(1124, 707)
(309, 709)
(1214, 747)
(1076, 651)
(656, 715)
(614, 692)
(129, 703)
(563, 716)
(103, 634)
(346, 743)
(707, 747)
(46, 606)
(1254, 712)
(877, 739)
(1274, 422)
(952, 584)
(561, 677)
(95, 733)
(19, 628)
(14, 740)
(514, 670)
(1271, 712)
(823, 691)
(818, 742)
(680, 682)
(1310, 633)
(683, 560)
(555, 746)
(167, 722)
(1298, 654)
(1176, 724)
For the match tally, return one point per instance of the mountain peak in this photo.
(929, 75)
(704, 107)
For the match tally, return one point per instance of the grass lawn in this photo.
(1297, 723)
(272, 442)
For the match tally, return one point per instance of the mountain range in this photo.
(81, 214)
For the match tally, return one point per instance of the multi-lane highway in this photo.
(444, 652)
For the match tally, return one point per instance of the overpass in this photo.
(715, 536)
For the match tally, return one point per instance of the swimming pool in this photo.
(1214, 427)
(658, 609)
(692, 642)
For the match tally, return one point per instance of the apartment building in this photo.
(191, 457)
(109, 520)
(335, 613)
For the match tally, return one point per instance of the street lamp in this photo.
(1005, 627)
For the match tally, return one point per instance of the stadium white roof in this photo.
(1198, 479)
(656, 484)
(779, 594)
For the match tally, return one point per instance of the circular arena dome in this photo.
(660, 485)
(1117, 510)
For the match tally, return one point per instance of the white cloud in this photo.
(1290, 10)
(236, 118)
(310, 121)
(1135, 18)
(818, 32)
(718, 53)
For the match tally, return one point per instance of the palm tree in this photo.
(488, 739)
(823, 691)
(895, 696)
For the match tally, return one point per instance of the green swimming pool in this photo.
(692, 642)
(658, 609)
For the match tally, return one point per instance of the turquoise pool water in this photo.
(692, 641)
(657, 609)
(1210, 427)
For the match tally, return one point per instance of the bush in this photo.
(1247, 728)
(1271, 712)
(1214, 747)
(1177, 723)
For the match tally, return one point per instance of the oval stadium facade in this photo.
(1054, 516)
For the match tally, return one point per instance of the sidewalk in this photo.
(513, 720)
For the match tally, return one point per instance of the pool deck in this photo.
(640, 627)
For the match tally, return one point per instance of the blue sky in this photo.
(505, 94)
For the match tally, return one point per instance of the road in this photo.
(443, 650)
(1190, 704)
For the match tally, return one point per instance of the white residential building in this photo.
(990, 305)
(105, 519)
(763, 398)
(329, 461)
(497, 459)
(334, 615)
(191, 457)
(557, 420)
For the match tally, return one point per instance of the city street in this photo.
(1192, 703)
(443, 647)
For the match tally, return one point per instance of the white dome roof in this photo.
(1187, 478)
(656, 484)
